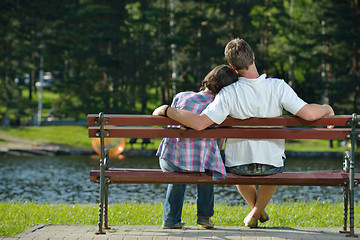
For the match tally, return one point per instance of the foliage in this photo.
(128, 56)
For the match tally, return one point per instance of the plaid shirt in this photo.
(193, 154)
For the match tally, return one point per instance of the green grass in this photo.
(16, 217)
(78, 136)
(315, 145)
(70, 135)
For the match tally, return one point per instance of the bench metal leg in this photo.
(351, 198)
(346, 168)
(104, 191)
(353, 136)
(106, 202)
(101, 200)
(103, 165)
(346, 206)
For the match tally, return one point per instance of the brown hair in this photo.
(221, 76)
(239, 55)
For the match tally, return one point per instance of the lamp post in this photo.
(173, 47)
(325, 94)
(41, 80)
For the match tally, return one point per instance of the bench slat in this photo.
(244, 133)
(149, 120)
(316, 178)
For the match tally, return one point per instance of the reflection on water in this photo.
(66, 179)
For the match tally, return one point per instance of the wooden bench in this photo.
(286, 127)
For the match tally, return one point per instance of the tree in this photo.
(118, 56)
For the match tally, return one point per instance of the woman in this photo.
(194, 155)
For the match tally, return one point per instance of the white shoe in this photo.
(250, 221)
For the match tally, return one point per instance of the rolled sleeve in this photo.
(290, 100)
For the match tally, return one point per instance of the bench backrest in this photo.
(285, 127)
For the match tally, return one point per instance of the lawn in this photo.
(78, 136)
(16, 217)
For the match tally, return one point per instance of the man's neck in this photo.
(250, 73)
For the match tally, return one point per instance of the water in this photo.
(66, 179)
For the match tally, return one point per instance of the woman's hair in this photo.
(221, 76)
(238, 53)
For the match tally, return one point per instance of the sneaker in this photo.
(250, 222)
(205, 222)
(178, 225)
(264, 217)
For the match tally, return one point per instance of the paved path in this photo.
(149, 232)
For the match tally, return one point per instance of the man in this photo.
(251, 96)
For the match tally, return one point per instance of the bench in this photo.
(286, 127)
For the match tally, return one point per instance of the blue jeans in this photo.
(255, 169)
(175, 197)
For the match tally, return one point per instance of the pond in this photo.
(66, 179)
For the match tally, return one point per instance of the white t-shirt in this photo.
(246, 98)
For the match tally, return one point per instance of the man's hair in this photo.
(239, 55)
(221, 76)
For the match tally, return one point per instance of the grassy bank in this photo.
(71, 135)
(16, 217)
(78, 136)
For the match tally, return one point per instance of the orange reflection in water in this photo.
(115, 146)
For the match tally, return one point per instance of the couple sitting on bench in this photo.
(244, 94)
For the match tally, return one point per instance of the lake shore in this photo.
(15, 146)
(51, 150)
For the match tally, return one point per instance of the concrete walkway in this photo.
(149, 232)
